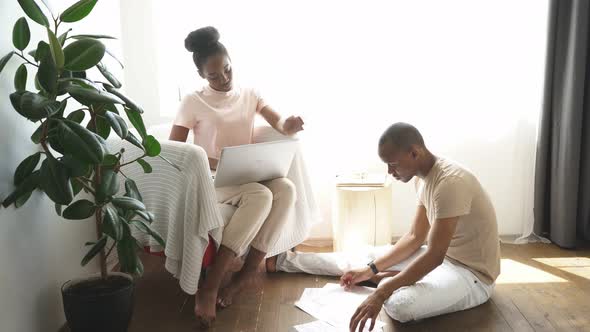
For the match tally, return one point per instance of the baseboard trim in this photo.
(318, 242)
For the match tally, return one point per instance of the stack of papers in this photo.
(334, 307)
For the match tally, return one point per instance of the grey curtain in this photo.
(562, 175)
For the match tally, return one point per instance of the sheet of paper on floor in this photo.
(321, 326)
(334, 305)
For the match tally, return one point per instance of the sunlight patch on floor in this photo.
(514, 272)
(579, 266)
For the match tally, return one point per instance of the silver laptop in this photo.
(254, 162)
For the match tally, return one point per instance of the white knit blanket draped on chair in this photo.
(186, 209)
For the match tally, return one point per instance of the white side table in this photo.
(363, 216)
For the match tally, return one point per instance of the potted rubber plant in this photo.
(74, 166)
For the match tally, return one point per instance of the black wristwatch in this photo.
(373, 267)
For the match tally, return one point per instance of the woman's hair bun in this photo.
(201, 39)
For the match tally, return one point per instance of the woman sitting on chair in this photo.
(222, 115)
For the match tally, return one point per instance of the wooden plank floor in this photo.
(542, 288)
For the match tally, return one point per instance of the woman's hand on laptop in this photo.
(292, 125)
(213, 163)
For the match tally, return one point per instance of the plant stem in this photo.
(85, 185)
(22, 55)
(111, 249)
(44, 139)
(125, 176)
(98, 215)
(132, 161)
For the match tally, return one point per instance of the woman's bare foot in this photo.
(205, 308)
(242, 281)
(271, 264)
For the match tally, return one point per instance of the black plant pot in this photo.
(97, 305)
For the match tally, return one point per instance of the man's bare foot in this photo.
(271, 264)
(242, 281)
(205, 308)
(376, 279)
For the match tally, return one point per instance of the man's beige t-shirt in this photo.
(449, 190)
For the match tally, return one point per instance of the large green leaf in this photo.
(93, 37)
(55, 182)
(80, 142)
(83, 54)
(136, 121)
(147, 216)
(100, 126)
(47, 74)
(78, 11)
(128, 102)
(91, 95)
(5, 60)
(37, 106)
(21, 200)
(78, 210)
(75, 166)
(77, 116)
(21, 35)
(56, 52)
(33, 106)
(76, 186)
(134, 140)
(42, 51)
(147, 229)
(29, 184)
(110, 161)
(36, 137)
(109, 185)
(77, 81)
(152, 146)
(63, 37)
(26, 168)
(112, 225)
(96, 248)
(62, 107)
(131, 190)
(20, 78)
(117, 123)
(114, 57)
(107, 74)
(34, 12)
(128, 203)
(147, 168)
(127, 251)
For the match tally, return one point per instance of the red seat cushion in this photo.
(208, 256)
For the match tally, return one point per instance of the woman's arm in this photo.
(288, 126)
(180, 133)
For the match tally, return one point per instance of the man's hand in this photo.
(292, 125)
(353, 277)
(369, 309)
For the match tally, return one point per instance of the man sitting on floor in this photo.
(457, 268)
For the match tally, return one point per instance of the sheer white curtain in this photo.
(467, 73)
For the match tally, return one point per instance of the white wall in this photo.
(468, 74)
(38, 250)
(140, 58)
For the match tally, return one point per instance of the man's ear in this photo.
(201, 73)
(414, 152)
